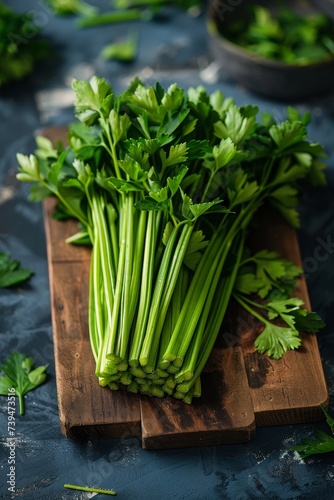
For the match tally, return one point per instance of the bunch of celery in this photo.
(165, 185)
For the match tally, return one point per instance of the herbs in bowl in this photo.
(282, 50)
(285, 36)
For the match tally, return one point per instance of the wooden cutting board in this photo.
(241, 388)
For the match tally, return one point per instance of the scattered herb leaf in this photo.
(11, 272)
(322, 442)
(20, 375)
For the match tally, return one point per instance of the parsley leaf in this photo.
(307, 321)
(20, 375)
(287, 133)
(268, 270)
(276, 340)
(11, 272)
(273, 278)
(322, 442)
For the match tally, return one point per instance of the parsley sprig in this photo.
(165, 184)
(20, 375)
(322, 442)
(11, 272)
(274, 279)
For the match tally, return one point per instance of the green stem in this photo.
(92, 490)
(169, 287)
(111, 215)
(95, 335)
(207, 187)
(145, 289)
(21, 403)
(126, 315)
(69, 208)
(251, 311)
(110, 17)
(192, 353)
(172, 314)
(95, 283)
(216, 319)
(138, 262)
(157, 294)
(107, 350)
(195, 298)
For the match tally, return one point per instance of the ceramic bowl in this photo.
(270, 78)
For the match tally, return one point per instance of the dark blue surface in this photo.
(171, 49)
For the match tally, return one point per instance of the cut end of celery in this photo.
(183, 388)
(168, 358)
(148, 368)
(163, 365)
(103, 382)
(178, 362)
(133, 362)
(114, 359)
(187, 375)
(143, 362)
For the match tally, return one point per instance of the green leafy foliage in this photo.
(164, 185)
(273, 279)
(276, 340)
(321, 443)
(11, 272)
(20, 375)
(267, 270)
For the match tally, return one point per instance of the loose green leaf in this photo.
(123, 50)
(20, 376)
(322, 443)
(11, 272)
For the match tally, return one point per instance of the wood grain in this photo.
(241, 388)
(223, 414)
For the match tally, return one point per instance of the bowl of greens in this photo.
(283, 50)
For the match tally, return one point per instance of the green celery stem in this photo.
(110, 17)
(157, 294)
(145, 290)
(171, 281)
